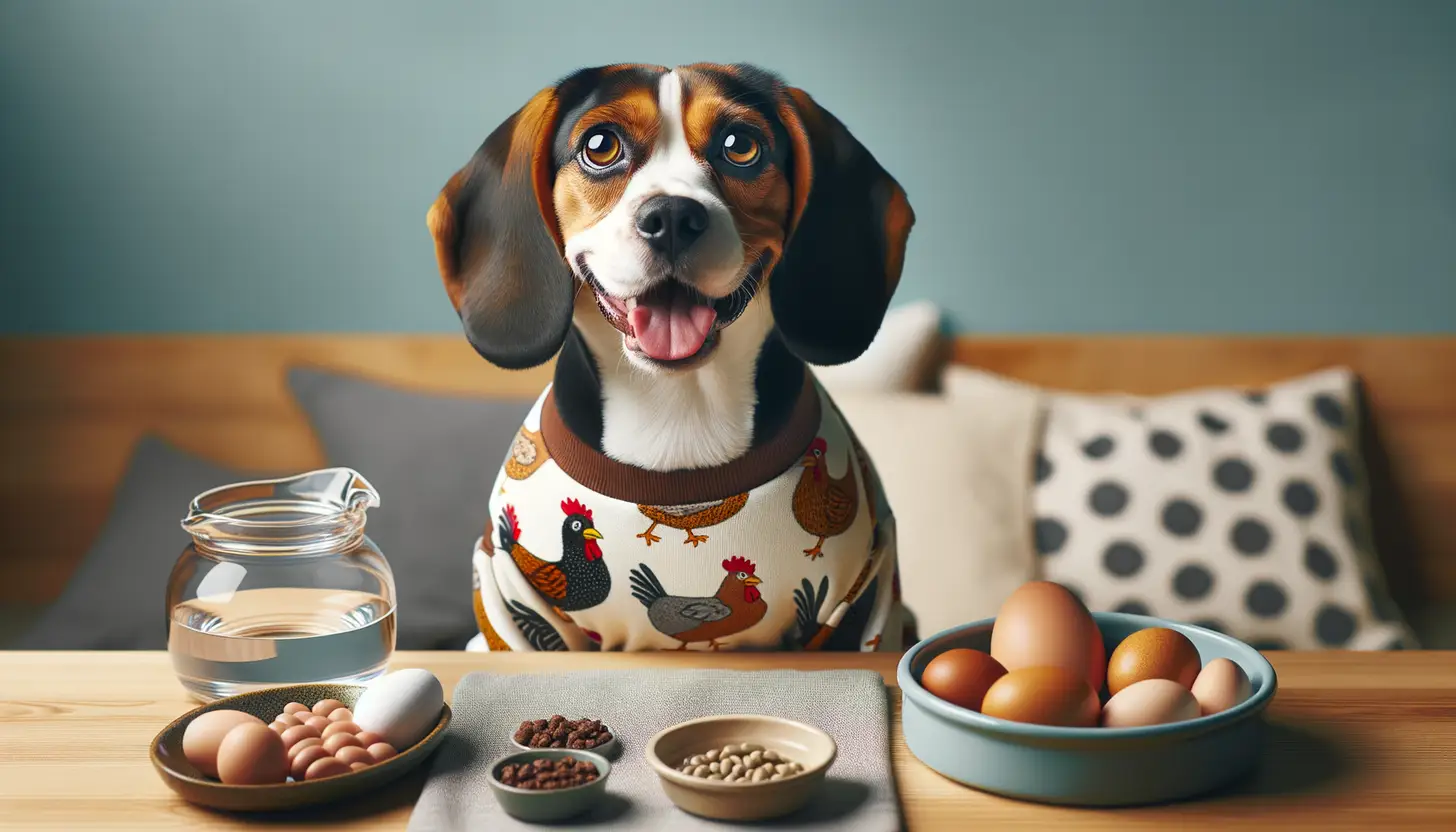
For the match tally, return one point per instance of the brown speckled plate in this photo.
(196, 787)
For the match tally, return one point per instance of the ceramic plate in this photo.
(198, 788)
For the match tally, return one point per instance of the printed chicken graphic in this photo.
(735, 607)
(576, 582)
(528, 453)
(824, 506)
(691, 516)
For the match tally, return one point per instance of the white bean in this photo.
(751, 747)
(772, 756)
(715, 776)
(711, 755)
(735, 759)
(776, 777)
(732, 778)
(697, 759)
(737, 769)
(759, 776)
(715, 767)
(754, 760)
(781, 769)
(700, 771)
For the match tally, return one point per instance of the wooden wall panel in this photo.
(72, 408)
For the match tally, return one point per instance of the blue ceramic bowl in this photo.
(1087, 766)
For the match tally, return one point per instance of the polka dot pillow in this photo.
(1244, 512)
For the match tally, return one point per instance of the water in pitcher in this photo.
(258, 638)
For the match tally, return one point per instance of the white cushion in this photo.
(1247, 512)
(901, 358)
(956, 475)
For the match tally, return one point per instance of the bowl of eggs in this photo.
(302, 745)
(1050, 703)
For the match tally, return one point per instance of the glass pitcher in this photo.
(280, 585)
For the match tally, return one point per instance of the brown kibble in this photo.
(548, 775)
(327, 706)
(558, 732)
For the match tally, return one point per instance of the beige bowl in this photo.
(715, 799)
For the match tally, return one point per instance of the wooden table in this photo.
(1357, 740)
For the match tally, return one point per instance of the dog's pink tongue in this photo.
(672, 327)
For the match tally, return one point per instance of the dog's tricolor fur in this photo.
(798, 242)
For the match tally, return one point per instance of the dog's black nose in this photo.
(670, 224)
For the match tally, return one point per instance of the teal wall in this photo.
(1125, 165)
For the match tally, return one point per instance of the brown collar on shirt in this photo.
(597, 472)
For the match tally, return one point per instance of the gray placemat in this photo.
(851, 705)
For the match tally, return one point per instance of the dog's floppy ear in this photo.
(846, 238)
(498, 244)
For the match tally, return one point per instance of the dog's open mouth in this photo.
(671, 323)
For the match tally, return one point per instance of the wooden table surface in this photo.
(1357, 740)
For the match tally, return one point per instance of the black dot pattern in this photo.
(1344, 471)
(1245, 519)
(1192, 582)
(1250, 536)
(1233, 475)
(1300, 498)
(1108, 499)
(1334, 626)
(1182, 518)
(1050, 535)
(1285, 437)
(1266, 599)
(1123, 559)
(1320, 561)
(1165, 444)
(1329, 410)
(1213, 423)
(1042, 468)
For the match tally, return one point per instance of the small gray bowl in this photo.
(1087, 766)
(534, 806)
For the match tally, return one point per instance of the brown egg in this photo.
(298, 766)
(337, 741)
(1044, 696)
(358, 766)
(205, 733)
(295, 708)
(326, 767)
(317, 723)
(961, 676)
(381, 751)
(324, 707)
(251, 755)
(340, 728)
(341, 715)
(287, 720)
(309, 742)
(298, 732)
(368, 738)
(1043, 625)
(1149, 702)
(352, 754)
(1153, 653)
(1220, 686)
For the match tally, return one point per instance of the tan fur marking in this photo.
(899, 217)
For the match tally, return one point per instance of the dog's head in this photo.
(677, 197)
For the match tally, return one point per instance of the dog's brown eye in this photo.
(740, 149)
(601, 149)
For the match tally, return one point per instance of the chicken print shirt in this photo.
(789, 547)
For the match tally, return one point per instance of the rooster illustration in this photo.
(691, 516)
(528, 453)
(824, 506)
(576, 582)
(735, 607)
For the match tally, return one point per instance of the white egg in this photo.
(402, 707)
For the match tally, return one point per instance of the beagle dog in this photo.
(683, 241)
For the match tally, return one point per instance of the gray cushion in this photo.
(117, 598)
(433, 459)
